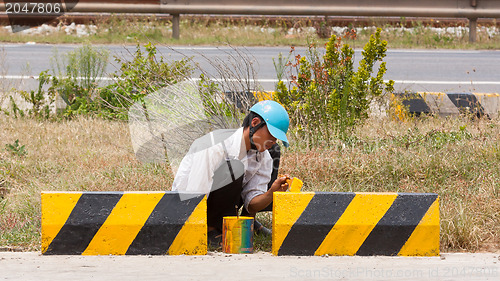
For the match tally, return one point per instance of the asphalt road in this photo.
(257, 266)
(413, 70)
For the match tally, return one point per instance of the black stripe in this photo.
(415, 103)
(467, 103)
(90, 212)
(396, 226)
(314, 224)
(163, 225)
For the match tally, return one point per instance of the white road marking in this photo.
(412, 82)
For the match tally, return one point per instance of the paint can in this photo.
(237, 235)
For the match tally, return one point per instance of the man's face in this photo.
(262, 138)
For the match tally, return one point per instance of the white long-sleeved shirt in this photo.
(196, 170)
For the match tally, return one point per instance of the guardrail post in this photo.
(175, 26)
(472, 30)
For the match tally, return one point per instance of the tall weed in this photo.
(75, 77)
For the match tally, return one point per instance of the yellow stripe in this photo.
(192, 238)
(287, 208)
(424, 241)
(425, 94)
(123, 224)
(261, 96)
(354, 226)
(56, 208)
(491, 95)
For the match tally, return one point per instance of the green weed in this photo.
(75, 77)
(39, 100)
(15, 148)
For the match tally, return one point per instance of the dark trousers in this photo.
(225, 201)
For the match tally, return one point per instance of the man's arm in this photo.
(261, 201)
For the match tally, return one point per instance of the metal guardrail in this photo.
(470, 9)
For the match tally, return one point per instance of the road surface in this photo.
(458, 71)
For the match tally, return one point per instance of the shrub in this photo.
(326, 97)
(141, 76)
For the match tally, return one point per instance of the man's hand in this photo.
(280, 184)
(259, 202)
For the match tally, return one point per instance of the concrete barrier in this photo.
(442, 104)
(123, 223)
(364, 224)
(446, 104)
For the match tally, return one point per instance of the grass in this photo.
(458, 158)
(77, 155)
(269, 32)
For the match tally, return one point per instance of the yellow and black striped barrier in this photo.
(123, 223)
(365, 224)
(451, 104)
(436, 103)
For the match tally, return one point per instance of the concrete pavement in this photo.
(258, 266)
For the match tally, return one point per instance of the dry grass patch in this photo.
(83, 154)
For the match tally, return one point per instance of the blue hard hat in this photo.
(276, 118)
